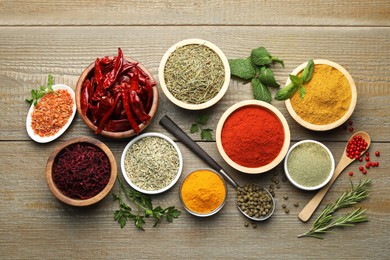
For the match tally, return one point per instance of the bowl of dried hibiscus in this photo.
(116, 96)
(81, 171)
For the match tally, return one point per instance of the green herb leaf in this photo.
(242, 68)
(206, 134)
(202, 119)
(194, 128)
(267, 77)
(302, 91)
(297, 81)
(277, 60)
(307, 73)
(286, 92)
(36, 94)
(260, 91)
(261, 57)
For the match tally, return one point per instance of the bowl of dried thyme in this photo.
(151, 163)
(194, 74)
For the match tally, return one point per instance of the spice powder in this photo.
(152, 163)
(309, 164)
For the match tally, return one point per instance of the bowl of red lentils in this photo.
(81, 171)
(253, 136)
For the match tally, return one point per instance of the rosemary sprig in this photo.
(145, 206)
(325, 221)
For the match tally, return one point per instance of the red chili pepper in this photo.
(149, 91)
(138, 107)
(134, 83)
(117, 125)
(99, 91)
(84, 100)
(126, 105)
(113, 74)
(107, 115)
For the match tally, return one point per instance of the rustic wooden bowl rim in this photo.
(341, 120)
(263, 105)
(116, 135)
(208, 103)
(77, 202)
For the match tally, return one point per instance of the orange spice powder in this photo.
(51, 113)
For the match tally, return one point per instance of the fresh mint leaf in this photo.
(260, 91)
(296, 80)
(286, 92)
(277, 60)
(206, 134)
(36, 94)
(261, 57)
(202, 119)
(242, 68)
(194, 128)
(302, 91)
(267, 77)
(307, 73)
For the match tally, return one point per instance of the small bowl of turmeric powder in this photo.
(203, 192)
(330, 97)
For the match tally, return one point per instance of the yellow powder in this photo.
(328, 96)
(203, 191)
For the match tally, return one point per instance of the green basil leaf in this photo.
(260, 57)
(260, 91)
(267, 77)
(302, 91)
(286, 92)
(242, 68)
(277, 60)
(307, 73)
(296, 80)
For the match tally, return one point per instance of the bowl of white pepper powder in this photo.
(309, 165)
(151, 163)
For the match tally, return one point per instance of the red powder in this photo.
(252, 137)
(81, 171)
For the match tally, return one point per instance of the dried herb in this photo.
(297, 83)
(326, 220)
(194, 73)
(205, 133)
(36, 94)
(256, 69)
(144, 206)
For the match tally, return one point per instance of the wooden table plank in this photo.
(33, 223)
(182, 12)
(65, 52)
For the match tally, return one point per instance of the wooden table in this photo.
(63, 37)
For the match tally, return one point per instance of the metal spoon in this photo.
(174, 129)
(309, 209)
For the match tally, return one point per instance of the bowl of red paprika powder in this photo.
(253, 136)
(81, 171)
(116, 97)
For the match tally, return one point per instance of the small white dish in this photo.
(47, 139)
(309, 188)
(136, 139)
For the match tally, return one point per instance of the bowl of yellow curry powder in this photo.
(330, 97)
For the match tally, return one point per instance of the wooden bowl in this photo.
(340, 121)
(208, 103)
(116, 135)
(267, 107)
(79, 202)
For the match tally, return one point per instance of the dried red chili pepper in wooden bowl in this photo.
(116, 96)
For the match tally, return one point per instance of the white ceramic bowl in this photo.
(340, 121)
(305, 187)
(215, 211)
(47, 139)
(210, 102)
(263, 105)
(127, 178)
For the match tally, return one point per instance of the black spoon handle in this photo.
(168, 124)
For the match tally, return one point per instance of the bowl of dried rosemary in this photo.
(194, 74)
(151, 163)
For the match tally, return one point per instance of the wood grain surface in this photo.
(64, 37)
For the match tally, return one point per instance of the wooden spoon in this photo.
(309, 209)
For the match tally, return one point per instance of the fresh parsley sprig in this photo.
(256, 68)
(205, 133)
(297, 83)
(145, 209)
(325, 220)
(36, 94)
